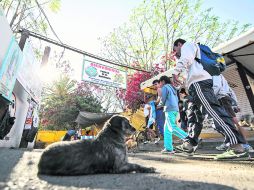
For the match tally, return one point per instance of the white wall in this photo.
(233, 77)
(14, 137)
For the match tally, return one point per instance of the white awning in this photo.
(149, 82)
(240, 49)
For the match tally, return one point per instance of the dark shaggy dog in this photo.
(105, 154)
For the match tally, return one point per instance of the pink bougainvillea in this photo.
(133, 96)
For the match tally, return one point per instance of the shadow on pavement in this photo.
(129, 181)
(8, 160)
(184, 159)
(154, 157)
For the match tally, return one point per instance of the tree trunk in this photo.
(7, 12)
(15, 14)
(17, 26)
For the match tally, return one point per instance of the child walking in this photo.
(170, 102)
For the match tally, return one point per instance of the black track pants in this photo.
(205, 101)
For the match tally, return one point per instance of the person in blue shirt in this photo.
(160, 116)
(69, 134)
(169, 100)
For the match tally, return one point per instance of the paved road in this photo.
(18, 170)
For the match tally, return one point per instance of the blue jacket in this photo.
(153, 109)
(169, 98)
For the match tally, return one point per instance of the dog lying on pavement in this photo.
(105, 154)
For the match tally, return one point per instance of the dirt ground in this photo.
(18, 170)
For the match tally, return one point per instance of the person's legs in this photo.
(181, 134)
(151, 132)
(240, 128)
(168, 143)
(160, 120)
(157, 133)
(184, 124)
(195, 122)
(147, 119)
(227, 104)
(203, 93)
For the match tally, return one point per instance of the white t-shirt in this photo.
(187, 63)
(146, 110)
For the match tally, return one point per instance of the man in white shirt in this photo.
(224, 94)
(200, 87)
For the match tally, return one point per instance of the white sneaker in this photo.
(165, 151)
(248, 148)
(222, 147)
(157, 140)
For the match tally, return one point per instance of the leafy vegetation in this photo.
(63, 100)
(145, 41)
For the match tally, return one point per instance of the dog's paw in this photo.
(149, 170)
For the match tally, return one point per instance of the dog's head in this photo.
(121, 123)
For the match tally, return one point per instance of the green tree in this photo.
(155, 24)
(29, 14)
(62, 102)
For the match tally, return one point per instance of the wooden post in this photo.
(22, 42)
(24, 37)
(45, 56)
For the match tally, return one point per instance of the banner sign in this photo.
(32, 118)
(28, 73)
(10, 58)
(104, 75)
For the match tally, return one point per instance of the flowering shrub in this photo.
(133, 96)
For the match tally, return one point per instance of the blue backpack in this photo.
(213, 63)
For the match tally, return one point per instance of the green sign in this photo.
(103, 74)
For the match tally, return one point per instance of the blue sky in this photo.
(242, 10)
(81, 23)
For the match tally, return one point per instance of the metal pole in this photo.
(22, 42)
(245, 82)
(79, 51)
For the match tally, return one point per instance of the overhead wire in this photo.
(52, 29)
(41, 37)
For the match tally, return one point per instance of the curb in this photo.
(206, 144)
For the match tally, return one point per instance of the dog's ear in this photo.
(108, 123)
(124, 123)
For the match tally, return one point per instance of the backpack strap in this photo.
(196, 58)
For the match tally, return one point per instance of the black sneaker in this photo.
(185, 147)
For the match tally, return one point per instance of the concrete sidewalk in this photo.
(19, 171)
(210, 144)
